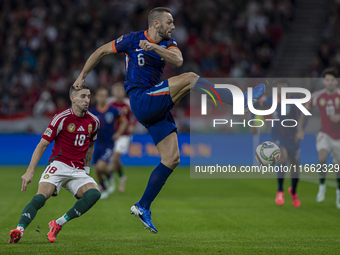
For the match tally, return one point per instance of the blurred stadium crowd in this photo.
(44, 44)
(328, 54)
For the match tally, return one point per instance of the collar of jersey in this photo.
(147, 37)
(102, 110)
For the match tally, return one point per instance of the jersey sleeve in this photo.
(95, 131)
(172, 44)
(53, 128)
(122, 43)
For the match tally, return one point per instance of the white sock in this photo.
(61, 221)
(21, 229)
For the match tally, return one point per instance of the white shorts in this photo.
(324, 141)
(122, 144)
(66, 177)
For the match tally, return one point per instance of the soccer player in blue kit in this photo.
(146, 53)
(107, 134)
(284, 137)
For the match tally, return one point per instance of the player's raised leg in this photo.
(182, 84)
(87, 195)
(45, 190)
(169, 151)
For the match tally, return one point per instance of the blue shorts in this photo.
(152, 108)
(102, 152)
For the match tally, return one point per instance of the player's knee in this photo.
(191, 78)
(176, 161)
(173, 161)
(92, 196)
(283, 159)
(100, 168)
(38, 201)
(322, 158)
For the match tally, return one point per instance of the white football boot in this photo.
(337, 201)
(320, 197)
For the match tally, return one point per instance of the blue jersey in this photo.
(285, 135)
(106, 118)
(143, 68)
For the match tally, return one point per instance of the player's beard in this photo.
(163, 33)
(83, 109)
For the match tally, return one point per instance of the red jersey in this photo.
(72, 136)
(123, 107)
(328, 105)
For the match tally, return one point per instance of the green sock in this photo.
(31, 210)
(83, 205)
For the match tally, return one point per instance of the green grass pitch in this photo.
(193, 216)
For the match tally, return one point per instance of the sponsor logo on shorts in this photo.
(322, 101)
(90, 128)
(46, 176)
(71, 127)
(159, 84)
(48, 132)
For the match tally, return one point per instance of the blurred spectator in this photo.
(44, 44)
(45, 105)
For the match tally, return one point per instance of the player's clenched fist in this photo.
(146, 45)
(26, 179)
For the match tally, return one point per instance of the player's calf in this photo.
(90, 197)
(27, 215)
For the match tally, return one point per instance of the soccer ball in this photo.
(268, 154)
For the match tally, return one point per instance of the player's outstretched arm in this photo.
(171, 56)
(91, 62)
(37, 154)
(88, 157)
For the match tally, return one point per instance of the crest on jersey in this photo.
(119, 39)
(90, 128)
(337, 102)
(48, 132)
(322, 101)
(46, 176)
(71, 127)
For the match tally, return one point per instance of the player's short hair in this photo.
(157, 14)
(331, 71)
(73, 89)
(283, 82)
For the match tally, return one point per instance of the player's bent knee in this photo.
(172, 162)
(38, 201)
(91, 196)
(192, 78)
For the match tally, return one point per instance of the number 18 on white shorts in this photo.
(63, 176)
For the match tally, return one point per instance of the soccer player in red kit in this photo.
(74, 132)
(328, 139)
(121, 102)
